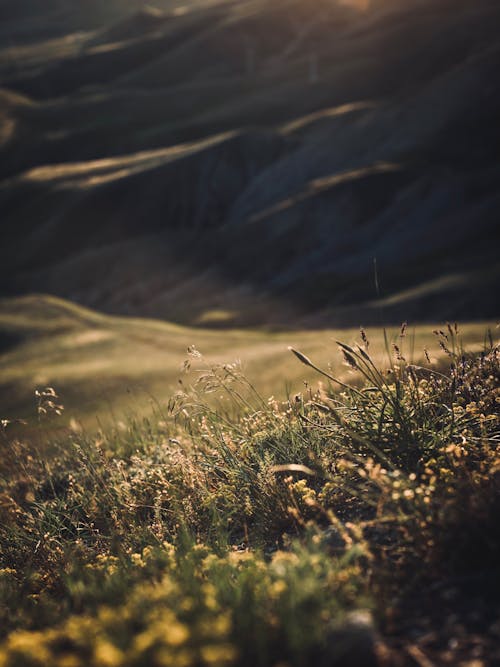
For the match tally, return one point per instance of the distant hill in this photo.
(256, 158)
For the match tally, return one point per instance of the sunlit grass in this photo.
(104, 366)
(353, 523)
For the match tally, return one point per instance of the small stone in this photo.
(354, 642)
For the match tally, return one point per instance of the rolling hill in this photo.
(110, 367)
(252, 159)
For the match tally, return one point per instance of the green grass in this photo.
(353, 524)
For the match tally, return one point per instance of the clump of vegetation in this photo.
(351, 525)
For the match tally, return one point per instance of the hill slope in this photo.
(110, 366)
(176, 147)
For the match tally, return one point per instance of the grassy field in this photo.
(238, 481)
(114, 367)
(348, 525)
(352, 522)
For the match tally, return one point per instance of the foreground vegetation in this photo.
(352, 524)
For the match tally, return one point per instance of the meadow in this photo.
(204, 461)
(352, 521)
(108, 369)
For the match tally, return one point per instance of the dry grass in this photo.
(112, 366)
(352, 528)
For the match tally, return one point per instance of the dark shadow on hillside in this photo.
(257, 153)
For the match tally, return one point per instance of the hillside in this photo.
(113, 367)
(146, 163)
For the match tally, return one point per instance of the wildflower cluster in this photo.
(252, 538)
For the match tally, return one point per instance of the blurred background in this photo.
(249, 162)
(292, 166)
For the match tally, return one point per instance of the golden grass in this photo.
(104, 366)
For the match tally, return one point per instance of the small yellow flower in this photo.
(218, 654)
(278, 588)
(147, 552)
(107, 655)
(176, 634)
(28, 646)
(137, 561)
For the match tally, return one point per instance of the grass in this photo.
(111, 367)
(350, 524)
